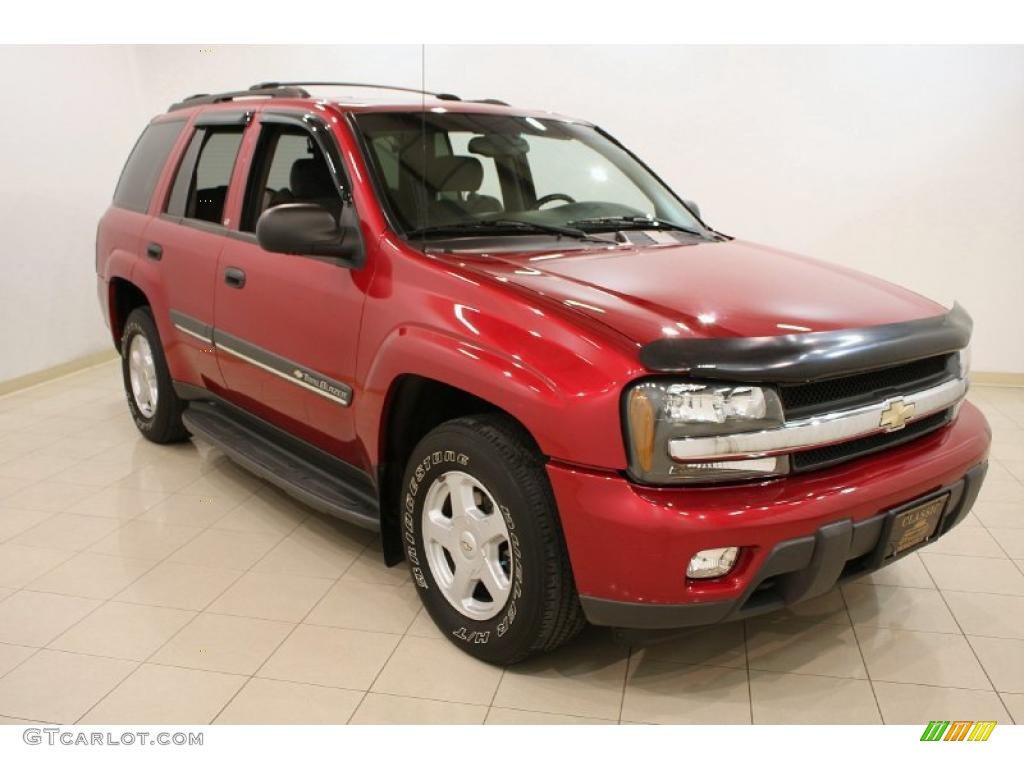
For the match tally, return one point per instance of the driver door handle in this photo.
(234, 277)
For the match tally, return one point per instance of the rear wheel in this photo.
(483, 541)
(147, 381)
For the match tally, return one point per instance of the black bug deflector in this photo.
(806, 357)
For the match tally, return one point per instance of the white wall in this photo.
(171, 72)
(68, 118)
(905, 162)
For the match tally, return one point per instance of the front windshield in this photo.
(451, 174)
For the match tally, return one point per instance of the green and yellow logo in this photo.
(958, 730)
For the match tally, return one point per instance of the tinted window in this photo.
(140, 174)
(386, 149)
(288, 167)
(290, 147)
(459, 174)
(201, 185)
(490, 184)
(576, 169)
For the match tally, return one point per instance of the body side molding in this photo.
(289, 370)
(188, 325)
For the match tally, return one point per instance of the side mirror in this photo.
(693, 207)
(305, 229)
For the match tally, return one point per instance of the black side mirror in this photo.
(693, 207)
(305, 229)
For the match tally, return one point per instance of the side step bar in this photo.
(329, 485)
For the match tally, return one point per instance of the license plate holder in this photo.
(914, 526)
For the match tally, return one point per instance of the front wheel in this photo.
(483, 541)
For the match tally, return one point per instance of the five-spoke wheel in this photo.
(152, 401)
(483, 540)
(142, 374)
(467, 545)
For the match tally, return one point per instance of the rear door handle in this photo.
(234, 277)
(155, 251)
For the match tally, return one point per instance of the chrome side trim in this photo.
(193, 334)
(187, 324)
(816, 431)
(276, 372)
(297, 374)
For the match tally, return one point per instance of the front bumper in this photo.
(629, 545)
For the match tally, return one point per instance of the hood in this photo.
(709, 290)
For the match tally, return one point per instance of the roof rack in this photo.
(314, 83)
(272, 90)
(294, 90)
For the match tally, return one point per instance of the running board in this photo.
(333, 488)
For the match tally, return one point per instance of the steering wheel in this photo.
(552, 198)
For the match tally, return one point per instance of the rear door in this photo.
(119, 244)
(186, 240)
(287, 326)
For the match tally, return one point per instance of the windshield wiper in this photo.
(634, 222)
(526, 227)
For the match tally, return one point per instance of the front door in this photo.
(287, 326)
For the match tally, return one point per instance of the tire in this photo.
(540, 609)
(158, 418)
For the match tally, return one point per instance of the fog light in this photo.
(712, 563)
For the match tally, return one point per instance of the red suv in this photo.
(498, 338)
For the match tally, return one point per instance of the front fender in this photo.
(569, 405)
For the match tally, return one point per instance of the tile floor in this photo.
(146, 584)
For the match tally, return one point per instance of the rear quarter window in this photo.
(140, 174)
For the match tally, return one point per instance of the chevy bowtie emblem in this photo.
(297, 373)
(896, 415)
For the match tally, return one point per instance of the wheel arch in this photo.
(414, 405)
(124, 296)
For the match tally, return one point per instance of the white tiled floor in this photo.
(149, 584)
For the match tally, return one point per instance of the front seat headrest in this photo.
(458, 173)
(310, 179)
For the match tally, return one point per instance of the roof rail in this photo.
(294, 90)
(271, 89)
(314, 83)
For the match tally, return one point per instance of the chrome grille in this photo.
(830, 395)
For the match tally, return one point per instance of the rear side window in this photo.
(140, 174)
(201, 184)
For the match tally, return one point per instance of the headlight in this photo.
(657, 411)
